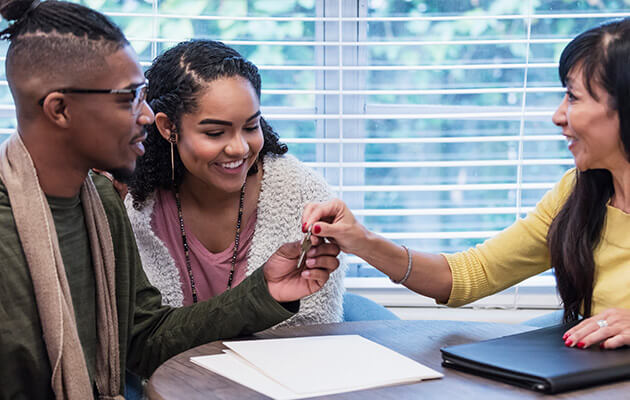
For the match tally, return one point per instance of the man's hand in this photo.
(287, 283)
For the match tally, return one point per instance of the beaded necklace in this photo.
(187, 248)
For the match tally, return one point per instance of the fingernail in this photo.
(304, 227)
(602, 346)
(565, 336)
(306, 273)
(581, 345)
(568, 343)
(317, 229)
(311, 253)
(310, 262)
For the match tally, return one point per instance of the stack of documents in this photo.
(296, 368)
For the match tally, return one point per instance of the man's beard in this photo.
(122, 175)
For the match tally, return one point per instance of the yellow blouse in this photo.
(521, 251)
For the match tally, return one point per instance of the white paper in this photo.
(295, 368)
(235, 368)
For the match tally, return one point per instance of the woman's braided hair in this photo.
(176, 79)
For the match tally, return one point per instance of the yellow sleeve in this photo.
(518, 252)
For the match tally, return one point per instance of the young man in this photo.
(75, 305)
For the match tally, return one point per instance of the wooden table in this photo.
(178, 378)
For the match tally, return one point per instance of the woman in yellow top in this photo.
(579, 228)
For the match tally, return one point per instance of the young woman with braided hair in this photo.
(215, 194)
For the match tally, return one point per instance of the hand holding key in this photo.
(306, 246)
(315, 264)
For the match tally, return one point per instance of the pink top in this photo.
(210, 270)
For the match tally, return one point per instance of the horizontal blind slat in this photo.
(439, 235)
(439, 164)
(407, 140)
(440, 211)
(400, 92)
(427, 18)
(317, 43)
(443, 187)
(454, 115)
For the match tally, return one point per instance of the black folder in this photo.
(540, 361)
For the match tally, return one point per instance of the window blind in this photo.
(430, 118)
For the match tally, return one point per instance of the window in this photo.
(430, 118)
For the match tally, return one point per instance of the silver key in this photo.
(306, 246)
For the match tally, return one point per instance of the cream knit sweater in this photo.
(287, 186)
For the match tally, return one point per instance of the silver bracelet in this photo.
(404, 279)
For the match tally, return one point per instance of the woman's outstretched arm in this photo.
(430, 274)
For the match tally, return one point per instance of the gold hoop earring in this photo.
(172, 140)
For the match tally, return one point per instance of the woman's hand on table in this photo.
(609, 329)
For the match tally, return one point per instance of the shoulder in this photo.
(106, 190)
(553, 201)
(286, 174)
(566, 184)
(140, 217)
(557, 196)
(287, 166)
(112, 203)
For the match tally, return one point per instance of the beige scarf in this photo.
(36, 229)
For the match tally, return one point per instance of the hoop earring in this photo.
(172, 140)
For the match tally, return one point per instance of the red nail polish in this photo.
(568, 343)
(304, 227)
(581, 345)
(565, 337)
(317, 229)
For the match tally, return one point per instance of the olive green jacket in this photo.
(149, 332)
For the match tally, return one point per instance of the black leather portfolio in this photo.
(540, 361)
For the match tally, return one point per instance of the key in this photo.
(306, 246)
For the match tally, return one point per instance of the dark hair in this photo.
(56, 17)
(176, 78)
(603, 54)
(31, 16)
(55, 41)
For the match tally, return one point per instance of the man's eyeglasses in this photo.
(139, 94)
